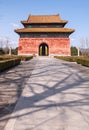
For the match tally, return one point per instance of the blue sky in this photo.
(14, 11)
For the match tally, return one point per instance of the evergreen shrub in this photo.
(84, 62)
(6, 64)
(67, 58)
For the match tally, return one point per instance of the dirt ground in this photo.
(11, 85)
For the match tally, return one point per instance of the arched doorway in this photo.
(43, 49)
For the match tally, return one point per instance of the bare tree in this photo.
(1, 42)
(84, 46)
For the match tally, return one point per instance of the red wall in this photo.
(59, 46)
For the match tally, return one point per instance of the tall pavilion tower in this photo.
(44, 35)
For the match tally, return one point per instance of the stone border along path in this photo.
(55, 97)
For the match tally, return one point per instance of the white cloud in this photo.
(72, 39)
(14, 25)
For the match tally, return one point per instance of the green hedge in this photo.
(1, 59)
(80, 60)
(67, 58)
(7, 61)
(23, 58)
(5, 64)
(84, 62)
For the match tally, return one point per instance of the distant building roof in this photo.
(44, 19)
(28, 30)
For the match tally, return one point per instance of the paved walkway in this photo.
(55, 97)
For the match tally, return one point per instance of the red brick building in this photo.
(44, 35)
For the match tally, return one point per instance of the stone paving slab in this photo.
(55, 97)
(12, 82)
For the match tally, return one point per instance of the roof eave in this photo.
(60, 22)
(17, 31)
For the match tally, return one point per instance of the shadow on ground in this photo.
(61, 85)
(12, 83)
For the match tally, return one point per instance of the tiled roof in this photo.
(64, 30)
(44, 19)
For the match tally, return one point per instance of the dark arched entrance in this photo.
(43, 49)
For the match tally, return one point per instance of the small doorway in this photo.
(43, 49)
